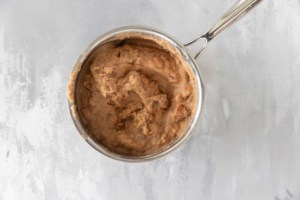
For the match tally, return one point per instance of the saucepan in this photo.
(235, 12)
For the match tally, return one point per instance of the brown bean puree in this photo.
(136, 98)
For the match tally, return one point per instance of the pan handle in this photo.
(239, 9)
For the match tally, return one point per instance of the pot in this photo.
(130, 32)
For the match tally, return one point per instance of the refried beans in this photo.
(136, 99)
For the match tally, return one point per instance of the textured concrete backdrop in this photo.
(247, 142)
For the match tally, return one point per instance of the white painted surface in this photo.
(247, 142)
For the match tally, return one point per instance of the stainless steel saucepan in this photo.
(234, 13)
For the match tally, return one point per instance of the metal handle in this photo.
(233, 14)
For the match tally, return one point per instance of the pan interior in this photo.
(83, 93)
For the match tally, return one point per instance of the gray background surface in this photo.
(246, 144)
